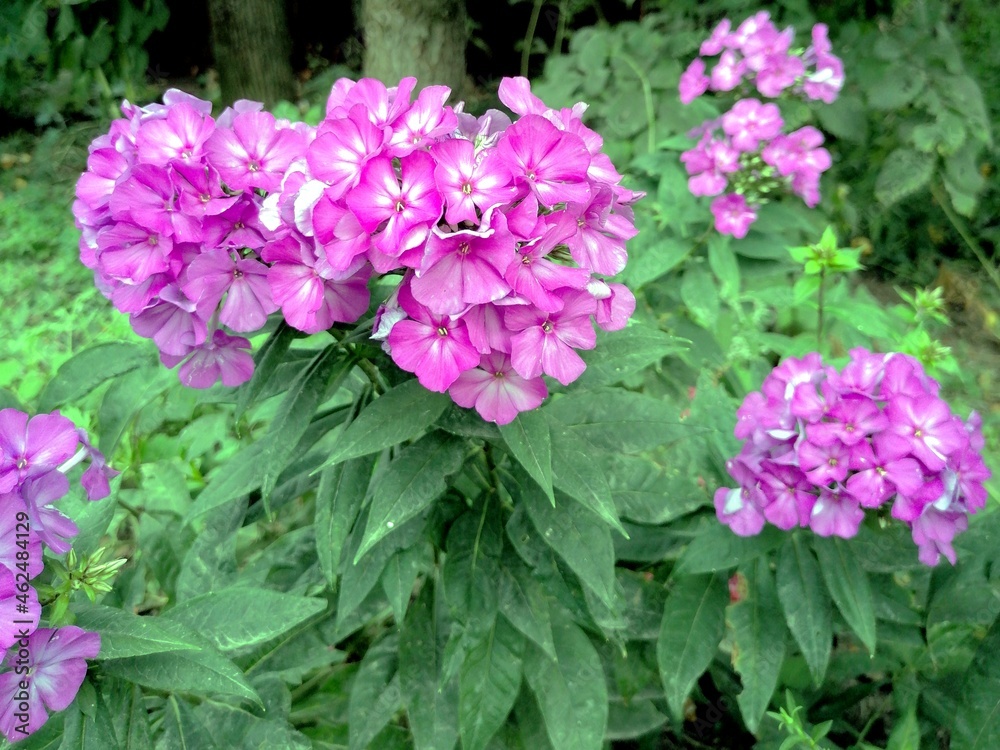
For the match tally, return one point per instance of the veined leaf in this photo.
(489, 681)
(529, 442)
(82, 373)
(977, 725)
(124, 634)
(694, 622)
(806, 603)
(341, 493)
(848, 583)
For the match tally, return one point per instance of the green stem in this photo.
(963, 231)
(557, 45)
(529, 36)
(819, 310)
(647, 96)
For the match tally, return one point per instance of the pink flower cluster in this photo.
(823, 447)
(35, 455)
(757, 55)
(503, 233)
(744, 158)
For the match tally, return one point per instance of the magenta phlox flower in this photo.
(928, 424)
(238, 226)
(469, 181)
(180, 136)
(14, 540)
(615, 304)
(173, 322)
(824, 464)
(740, 508)
(465, 267)
(836, 513)
(786, 490)
(779, 72)
(728, 73)
(311, 295)
(552, 164)
(486, 327)
(850, 420)
(749, 122)
(933, 533)
(105, 166)
(56, 667)
(435, 347)
(342, 148)
(383, 105)
(255, 153)
(130, 253)
(496, 390)
(33, 447)
(905, 376)
(763, 48)
(516, 95)
(547, 341)
(146, 197)
(536, 278)
(427, 120)
(693, 81)
(53, 528)
(407, 205)
(599, 241)
(339, 233)
(199, 190)
(217, 274)
(220, 357)
(484, 130)
(733, 215)
(96, 478)
(719, 39)
(17, 615)
(240, 106)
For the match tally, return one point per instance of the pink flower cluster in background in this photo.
(503, 233)
(35, 455)
(824, 447)
(744, 157)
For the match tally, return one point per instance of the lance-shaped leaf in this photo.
(472, 566)
(266, 361)
(432, 708)
(694, 622)
(620, 353)
(375, 695)
(619, 421)
(570, 689)
(341, 492)
(581, 477)
(125, 634)
(489, 681)
(806, 603)
(529, 442)
(848, 585)
(241, 616)
(83, 372)
(414, 480)
(524, 601)
(977, 725)
(717, 548)
(759, 641)
(123, 400)
(397, 415)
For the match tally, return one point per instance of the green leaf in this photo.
(524, 601)
(341, 493)
(234, 727)
(489, 681)
(397, 415)
(848, 585)
(92, 517)
(375, 695)
(432, 708)
(759, 642)
(181, 728)
(93, 730)
(296, 411)
(621, 353)
(401, 573)
(210, 562)
(806, 603)
(650, 493)
(898, 85)
(977, 724)
(124, 634)
(266, 361)
(723, 263)
(529, 441)
(411, 482)
(693, 624)
(619, 421)
(472, 566)
(717, 548)
(125, 397)
(579, 537)
(903, 173)
(241, 616)
(578, 475)
(700, 296)
(906, 733)
(128, 713)
(82, 373)
(200, 672)
(570, 689)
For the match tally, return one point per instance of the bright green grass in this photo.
(49, 307)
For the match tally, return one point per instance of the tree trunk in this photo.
(252, 50)
(422, 38)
